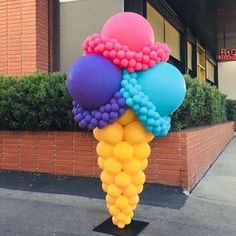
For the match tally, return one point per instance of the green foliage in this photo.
(35, 102)
(40, 102)
(231, 109)
(203, 105)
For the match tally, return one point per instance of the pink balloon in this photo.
(129, 29)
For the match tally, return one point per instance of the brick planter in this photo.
(180, 159)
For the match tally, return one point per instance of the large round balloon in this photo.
(92, 81)
(129, 29)
(165, 87)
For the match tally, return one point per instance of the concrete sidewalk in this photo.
(210, 209)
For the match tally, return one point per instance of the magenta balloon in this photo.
(130, 29)
(93, 80)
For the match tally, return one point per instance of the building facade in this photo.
(47, 35)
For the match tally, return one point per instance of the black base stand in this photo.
(133, 229)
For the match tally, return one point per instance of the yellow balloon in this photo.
(127, 117)
(123, 151)
(120, 216)
(134, 200)
(111, 134)
(144, 164)
(138, 179)
(132, 213)
(128, 210)
(110, 199)
(127, 220)
(114, 220)
(113, 190)
(140, 189)
(130, 191)
(122, 180)
(142, 151)
(104, 187)
(101, 162)
(112, 166)
(132, 167)
(106, 178)
(113, 210)
(121, 225)
(121, 202)
(104, 149)
(136, 134)
(96, 134)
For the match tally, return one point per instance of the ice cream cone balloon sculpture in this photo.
(124, 90)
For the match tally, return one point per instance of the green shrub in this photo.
(35, 102)
(41, 102)
(231, 109)
(203, 105)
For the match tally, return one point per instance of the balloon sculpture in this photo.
(124, 90)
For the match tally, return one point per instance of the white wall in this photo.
(227, 78)
(78, 19)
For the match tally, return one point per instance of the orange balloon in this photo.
(112, 166)
(121, 202)
(123, 151)
(142, 151)
(106, 178)
(111, 134)
(136, 134)
(113, 190)
(104, 149)
(139, 178)
(127, 117)
(130, 191)
(122, 180)
(101, 162)
(132, 167)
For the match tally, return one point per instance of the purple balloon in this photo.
(78, 117)
(88, 118)
(121, 101)
(105, 116)
(115, 107)
(92, 81)
(108, 107)
(94, 122)
(114, 115)
(101, 124)
(83, 124)
(98, 115)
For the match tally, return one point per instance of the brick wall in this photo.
(24, 36)
(180, 159)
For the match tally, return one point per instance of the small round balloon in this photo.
(129, 29)
(164, 85)
(92, 81)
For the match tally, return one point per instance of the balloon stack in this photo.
(124, 90)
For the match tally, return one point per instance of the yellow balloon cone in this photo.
(123, 151)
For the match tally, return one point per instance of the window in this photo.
(157, 22)
(164, 31)
(190, 55)
(210, 71)
(201, 62)
(172, 38)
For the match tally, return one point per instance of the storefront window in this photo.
(201, 62)
(210, 71)
(164, 31)
(157, 22)
(190, 55)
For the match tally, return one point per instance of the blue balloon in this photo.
(165, 87)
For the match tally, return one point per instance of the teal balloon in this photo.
(164, 85)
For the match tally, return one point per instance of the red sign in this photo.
(227, 55)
